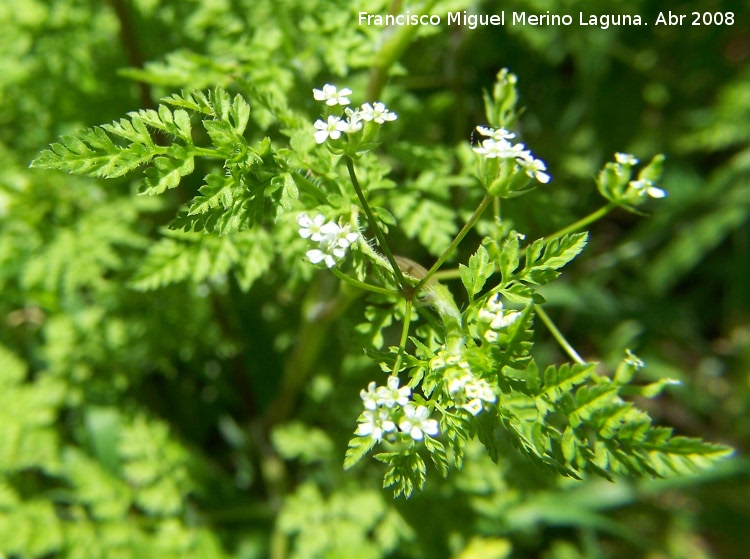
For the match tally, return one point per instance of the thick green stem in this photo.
(404, 337)
(461, 234)
(569, 349)
(374, 224)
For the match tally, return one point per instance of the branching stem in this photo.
(565, 344)
(362, 285)
(374, 224)
(461, 234)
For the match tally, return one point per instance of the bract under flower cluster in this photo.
(333, 240)
(387, 406)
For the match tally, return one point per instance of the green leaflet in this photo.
(544, 259)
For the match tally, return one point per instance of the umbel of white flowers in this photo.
(333, 240)
(334, 126)
(388, 406)
(497, 146)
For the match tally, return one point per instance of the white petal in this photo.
(431, 427)
(655, 192)
(315, 255)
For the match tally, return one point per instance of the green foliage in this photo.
(179, 378)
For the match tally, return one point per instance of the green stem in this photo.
(374, 224)
(583, 222)
(569, 349)
(461, 234)
(362, 285)
(404, 337)
(208, 152)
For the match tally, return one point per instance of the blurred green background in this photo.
(146, 424)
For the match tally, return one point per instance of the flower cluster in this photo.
(353, 120)
(470, 393)
(497, 145)
(333, 240)
(642, 186)
(497, 318)
(465, 390)
(387, 406)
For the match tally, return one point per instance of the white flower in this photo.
(491, 336)
(316, 256)
(374, 424)
(459, 383)
(496, 149)
(333, 240)
(331, 129)
(476, 391)
(353, 122)
(332, 96)
(370, 398)
(498, 318)
(376, 112)
(416, 422)
(391, 394)
(535, 168)
(311, 228)
(474, 407)
(496, 134)
(481, 389)
(626, 159)
(646, 187)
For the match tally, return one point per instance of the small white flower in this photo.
(437, 363)
(482, 390)
(333, 240)
(370, 398)
(626, 159)
(492, 149)
(646, 187)
(332, 96)
(374, 424)
(503, 320)
(310, 228)
(330, 129)
(416, 422)
(490, 336)
(316, 256)
(353, 122)
(496, 134)
(376, 112)
(494, 305)
(498, 318)
(474, 407)
(535, 169)
(459, 383)
(391, 394)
